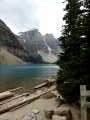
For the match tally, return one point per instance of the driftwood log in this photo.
(47, 83)
(41, 85)
(16, 89)
(9, 93)
(13, 98)
(5, 95)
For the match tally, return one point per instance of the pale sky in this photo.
(23, 15)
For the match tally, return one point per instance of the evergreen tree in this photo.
(84, 38)
(76, 51)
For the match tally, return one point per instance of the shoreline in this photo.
(27, 87)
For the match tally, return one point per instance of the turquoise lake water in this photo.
(26, 75)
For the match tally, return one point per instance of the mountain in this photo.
(9, 41)
(30, 46)
(45, 48)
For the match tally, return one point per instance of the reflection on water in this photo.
(25, 75)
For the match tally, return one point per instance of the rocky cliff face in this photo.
(7, 38)
(9, 41)
(46, 47)
(33, 41)
(8, 58)
(52, 43)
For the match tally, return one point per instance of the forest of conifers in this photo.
(74, 60)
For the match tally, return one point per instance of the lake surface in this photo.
(26, 75)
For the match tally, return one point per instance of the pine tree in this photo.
(76, 51)
(84, 37)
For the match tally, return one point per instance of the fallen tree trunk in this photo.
(16, 89)
(47, 83)
(16, 97)
(40, 85)
(9, 93)
(5, 95)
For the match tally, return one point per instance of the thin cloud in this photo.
(22, 15)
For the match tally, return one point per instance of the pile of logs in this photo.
(10, 100)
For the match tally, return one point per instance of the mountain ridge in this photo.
(38, 44)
